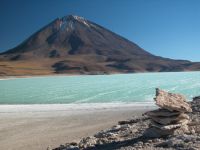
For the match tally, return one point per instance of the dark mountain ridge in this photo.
(74, 45)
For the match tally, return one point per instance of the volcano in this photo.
(74, 45)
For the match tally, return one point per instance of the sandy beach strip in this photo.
(39, 126)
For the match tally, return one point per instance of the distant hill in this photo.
(74, 45)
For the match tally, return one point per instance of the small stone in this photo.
(147, 144)
(156, 140)
(49, 148)
(116, 127)
(150, 141)
(71, 147)
(88, 142)
(74, 143)
(62, 146)
(140, 143)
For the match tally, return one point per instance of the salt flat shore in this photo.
(158, 129)
(39, 126)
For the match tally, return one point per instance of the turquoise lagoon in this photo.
(121, 88)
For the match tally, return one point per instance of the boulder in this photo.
(171, 120)
(154, 132)
(172, 102)
(165, 127)
(162, 113)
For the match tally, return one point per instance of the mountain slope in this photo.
(74, 45)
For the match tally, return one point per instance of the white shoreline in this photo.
(38, 126)
(71, 107)
(72, 75)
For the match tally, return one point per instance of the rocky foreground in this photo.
(175, 125)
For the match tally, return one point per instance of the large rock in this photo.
(165, 127)
(172, 101)
(162, 113)
(170, 120)
(155, 132)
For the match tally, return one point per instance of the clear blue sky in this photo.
(168, 28)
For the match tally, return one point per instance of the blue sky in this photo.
(168, 28)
